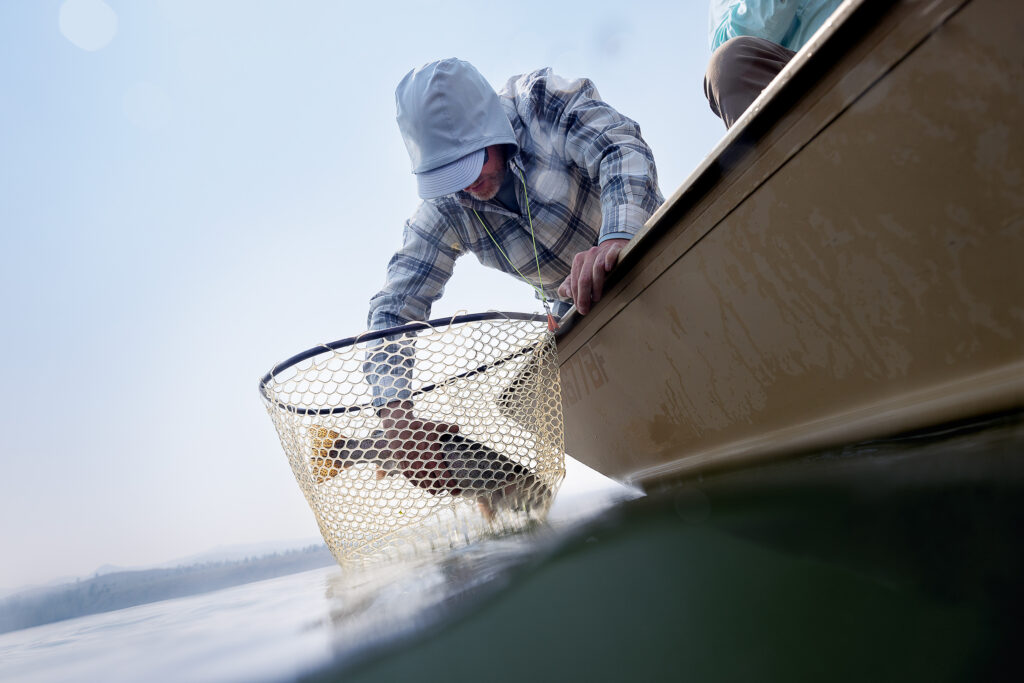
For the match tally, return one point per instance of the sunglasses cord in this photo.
(552, 324)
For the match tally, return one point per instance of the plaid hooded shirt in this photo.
(589, 177)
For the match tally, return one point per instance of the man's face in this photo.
(491, 175)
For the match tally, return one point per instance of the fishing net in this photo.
(423, 437)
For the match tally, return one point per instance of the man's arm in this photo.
(609, 148)
(416, 277)
(418, 272)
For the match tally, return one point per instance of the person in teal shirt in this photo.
(751, 40)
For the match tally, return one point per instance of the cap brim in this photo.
(450, 178)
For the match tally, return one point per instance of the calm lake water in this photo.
(268, 630)
(897, 560)
(278, 629)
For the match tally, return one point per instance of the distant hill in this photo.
(239, 551)
(119, 589)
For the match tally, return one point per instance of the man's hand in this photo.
(586, 280)
(414, 444)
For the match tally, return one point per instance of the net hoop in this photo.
(381, 334)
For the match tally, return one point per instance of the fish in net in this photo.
(475, 449)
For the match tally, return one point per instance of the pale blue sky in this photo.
(192, 190)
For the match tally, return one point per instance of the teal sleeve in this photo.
(768, 19)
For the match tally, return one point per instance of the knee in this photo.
(726, 63)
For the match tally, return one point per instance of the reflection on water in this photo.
(373, 609)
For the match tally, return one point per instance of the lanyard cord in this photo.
(536, 256)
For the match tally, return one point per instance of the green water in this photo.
(898, 560)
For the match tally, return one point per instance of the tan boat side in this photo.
(842, 268)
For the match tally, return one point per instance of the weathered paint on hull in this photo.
(848, 264)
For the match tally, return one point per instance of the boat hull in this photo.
(848, 264)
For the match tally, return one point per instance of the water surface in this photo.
(892, 560)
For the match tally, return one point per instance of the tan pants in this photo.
(737, 73)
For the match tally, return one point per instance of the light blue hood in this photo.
(447, 110)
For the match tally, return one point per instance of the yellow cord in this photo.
(533, 236)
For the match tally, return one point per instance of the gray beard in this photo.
(485, 197)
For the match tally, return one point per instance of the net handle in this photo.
(380, 334)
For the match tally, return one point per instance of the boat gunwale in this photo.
(849, 26)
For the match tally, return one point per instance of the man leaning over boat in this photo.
(751, 42)
(543, 181)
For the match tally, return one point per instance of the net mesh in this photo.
(425, 439)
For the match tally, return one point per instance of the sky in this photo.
(192, 191)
